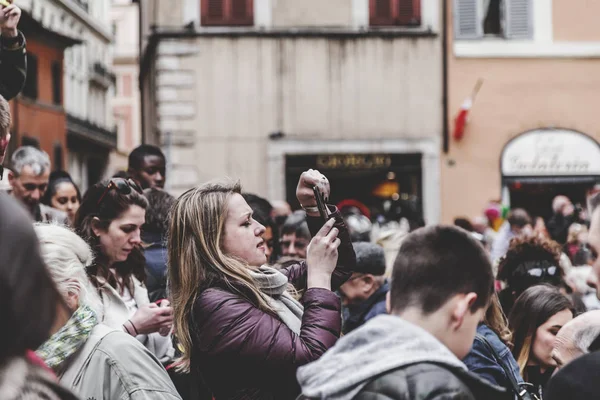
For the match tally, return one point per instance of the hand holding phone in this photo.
(321, 203)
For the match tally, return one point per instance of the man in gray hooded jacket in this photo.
(441, 285)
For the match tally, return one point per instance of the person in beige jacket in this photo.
(90, 358)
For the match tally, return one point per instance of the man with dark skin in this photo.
(147, 166)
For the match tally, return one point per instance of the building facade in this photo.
(126, 105)
(263, 89)
(532, 132)
(70, 65)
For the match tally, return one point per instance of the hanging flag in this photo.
(461, 119)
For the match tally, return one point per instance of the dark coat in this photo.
(356, 315)
(433, 382)
(13, 68)
(156, 265)
(245, 353)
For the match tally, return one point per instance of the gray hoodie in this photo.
(383, 344)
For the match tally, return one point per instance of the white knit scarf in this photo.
(274, 284)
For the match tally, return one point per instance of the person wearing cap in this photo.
(363, 295)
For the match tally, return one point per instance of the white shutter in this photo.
(467, 19)
(518, 19)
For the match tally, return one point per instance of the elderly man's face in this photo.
(29, 187)
(593, 279)
(565, 350)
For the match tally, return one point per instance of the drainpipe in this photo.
(445, 128)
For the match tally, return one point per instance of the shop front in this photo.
(390, 178)
(540, 164)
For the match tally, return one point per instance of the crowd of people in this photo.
(127, 292)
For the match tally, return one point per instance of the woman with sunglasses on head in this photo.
(89, 358)
(110, 219)
(239, 327)
(529, 261)
(536, 318)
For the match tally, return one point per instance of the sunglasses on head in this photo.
(123, 186)
(537, 269)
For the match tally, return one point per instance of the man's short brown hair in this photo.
(436, 263)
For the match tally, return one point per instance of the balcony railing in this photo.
(90, 131)
(83, 4)
(102, 75)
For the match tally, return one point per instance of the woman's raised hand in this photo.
(304, 191)
(322, 256)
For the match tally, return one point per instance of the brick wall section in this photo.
(41, 119)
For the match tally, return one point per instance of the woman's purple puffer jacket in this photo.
(242, 352)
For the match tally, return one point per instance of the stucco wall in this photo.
(220, 97)
(517, 95)
(576, 20)
(296, 13)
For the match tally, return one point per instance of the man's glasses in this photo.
(123, 186)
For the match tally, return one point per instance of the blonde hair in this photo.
(196, 260)
(67, 255)
(496, 320)
(523, 357)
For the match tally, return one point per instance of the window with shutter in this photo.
(467, 19)
(518, 19)
(227, 12)
(395, 12)
(511, 19)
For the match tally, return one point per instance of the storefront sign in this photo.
(353, 161)
(547, 152)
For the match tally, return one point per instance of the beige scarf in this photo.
(274, 284)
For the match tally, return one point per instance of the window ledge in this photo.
(496, 48)
(237, 31)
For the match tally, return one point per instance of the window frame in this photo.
(31, 89)
(227, 18)
(395, 17)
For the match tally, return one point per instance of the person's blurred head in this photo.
(536, 317)
(367, 276)
(295, 236)
(262, 214)
(31, 306)
(562, 205)
(213, 239)
(359, 225)
(147, 166)
(530, 261)
(281, 210)
(519, 220)
(5, 121)
(594, 242)
(29, 176)
(481, 224)
(464, 223)
(158, 211)
(66, 256)
(444, 276)
(110, 219)
(62, 194)
(575, 337)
